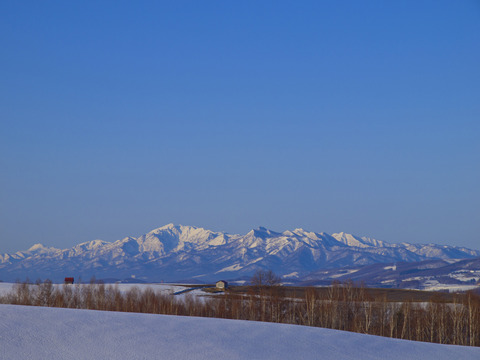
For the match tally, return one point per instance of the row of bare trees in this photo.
(342, 307)
(349, 308)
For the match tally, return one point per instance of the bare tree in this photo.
(265, 278)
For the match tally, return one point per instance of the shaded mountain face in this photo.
(439, 274)
(187, 253)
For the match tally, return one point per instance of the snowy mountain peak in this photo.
(166, 228)
(182, 230)
(351, 240)
(94, 244)
(40, 248)
(263, 233)
(36, 247)
(178, 252)
(305, 233)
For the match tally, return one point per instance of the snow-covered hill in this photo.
(29, 332)
(176, 252)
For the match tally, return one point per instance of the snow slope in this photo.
(52, 333)
(431, 275)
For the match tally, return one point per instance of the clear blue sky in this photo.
(358, 116)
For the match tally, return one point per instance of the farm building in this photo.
(69, 280)
(221, 284)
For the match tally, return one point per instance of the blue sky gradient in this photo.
(358, 116)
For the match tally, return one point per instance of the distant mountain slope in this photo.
(176, 252)
(424, 275)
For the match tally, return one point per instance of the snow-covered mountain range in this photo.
(187, 253)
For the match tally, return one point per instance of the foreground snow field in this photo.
(28, 332)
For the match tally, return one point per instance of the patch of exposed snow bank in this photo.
(234, 267)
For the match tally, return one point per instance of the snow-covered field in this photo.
(165, 289)
(5, 288)
(28, 332)
(448, 287)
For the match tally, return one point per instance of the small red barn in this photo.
(69, 280)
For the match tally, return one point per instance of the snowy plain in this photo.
(28, 332)
(165, 289)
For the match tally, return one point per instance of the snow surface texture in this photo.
(5, 288)
(28, 332)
